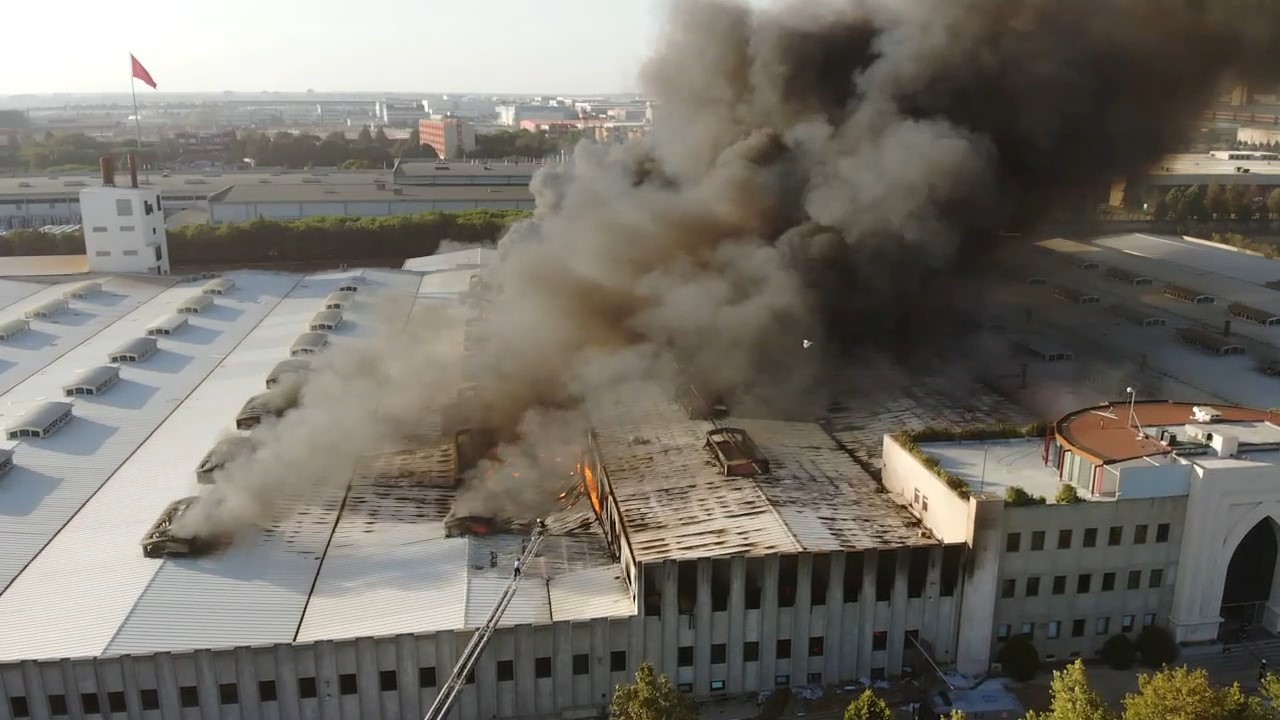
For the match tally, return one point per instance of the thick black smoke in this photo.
(833, 172)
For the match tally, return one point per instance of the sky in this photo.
(489, 46)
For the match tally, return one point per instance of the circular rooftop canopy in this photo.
(1106, 433)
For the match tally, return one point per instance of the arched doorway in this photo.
(1250, 574)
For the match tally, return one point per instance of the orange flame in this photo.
(593, 487)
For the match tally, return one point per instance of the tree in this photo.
(868, 706)
(1273, 203)
(1239, 202)
(1176, 694)
(1161, 210)
(1216, 201)
(380, 138)
(1119, 652)
(1072, 698)
(365, 137)
(1067, 494)
(1156, 647)
(1020, 659)
(1193, 206)
(1173, 201)
(651, 697)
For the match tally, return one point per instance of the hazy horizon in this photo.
(507, 47)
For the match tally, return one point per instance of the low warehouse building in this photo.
(242, 203)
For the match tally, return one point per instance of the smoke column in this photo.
(827, 171)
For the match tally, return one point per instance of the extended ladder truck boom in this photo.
(475, 648)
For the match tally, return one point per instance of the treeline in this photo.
(1217, 202)
(303, 150)
(340, 239)
(523, 144)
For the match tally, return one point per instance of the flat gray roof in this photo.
(184, 184)
(272, 193)
(440, 169)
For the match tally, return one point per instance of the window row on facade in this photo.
(1079, 628)
(1115, 536)
(1084, 583)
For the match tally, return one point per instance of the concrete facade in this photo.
(124, 230)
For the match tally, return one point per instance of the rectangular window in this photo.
(99, 228)
(388, 682)
(18, 705)
(685, 687)
(915, 497)
(1148, 620)
(684, 656)
(58, 705)
(506, 670)
(1126, 623)
(347, 684)
(1115, 535)
(1090, 537)
(116, 703)
(719, 653)
(1008, 588)
(188, 697)
(1135, 579)
(1156, 578)
(127, 228)
(151, 699)
(1140, 535)
(159, 254)
(1037, 540)
(1077, 628)
(124, 207)
(1064, 539)
(102, 253)
(1055, 629)
(1002, 632)
(1012, 542)
(618, 661)
(717, 686)
(1083, 582)
(879, 640)
(89, 703)
(1027, 629)
(1108, 582)
(582, 661)
(1059, 584)
(1102, 626)
(1162, 532)
(542, 667)
(1033, 586)
(427, 676)
(130, 253)
(266, 690)
(781, 680)
(783, 650)
(228, 694)
(816, 646)
(750, 651)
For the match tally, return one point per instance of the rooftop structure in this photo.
(1253, 314)
(1210, 342)
(1140, 316)
(1105, 435)
(93, 381)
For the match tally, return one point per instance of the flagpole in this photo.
(137, 123)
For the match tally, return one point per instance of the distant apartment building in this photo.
(513, 115)
(399, 113)
(449, 137)
(212, 144)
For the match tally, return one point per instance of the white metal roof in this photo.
(475, 257)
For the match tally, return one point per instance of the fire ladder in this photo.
(449, 691)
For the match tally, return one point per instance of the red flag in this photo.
(141, 72)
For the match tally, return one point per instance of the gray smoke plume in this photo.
(821, 172)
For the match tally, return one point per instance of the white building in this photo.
(124, 228)
(511, 115)
(400, 113)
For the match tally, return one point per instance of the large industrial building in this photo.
(737, 554)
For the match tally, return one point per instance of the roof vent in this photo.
(736, 453)
(470, 446)
(699, 406)
(161, 541)
(1206, 414)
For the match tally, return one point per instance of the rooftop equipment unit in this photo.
(83, 290)
(12, 328)
(701, 407)
(94, 381)
(6, 460)
(161, 541)
(167, 325)
(339, 300)
(195, 304)
(219, 286)
(270, 404)
(135, 350)
(298, 367)
(226, 450)
(736, 453)
(40, 421)
(470, 446)
(326, 320)
(45, 310)
(308, 343)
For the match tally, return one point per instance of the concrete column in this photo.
(562, 664)
(247, 684)
(368, 684)
(898, 612)
(167, 686)
(835, 639)
(409, 695)
(486, 685)
(982, 572)
(702, 629)
(447, 651)
(525, 656)
(737, 624)
(867, 611)
(800, 619)
(932, 602)
(287, 701)
(670, 618)
(132, 696)
(600, 651)
(327, 690)
(70, 688)
(769, 622)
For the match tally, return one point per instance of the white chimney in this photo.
(1224, 444)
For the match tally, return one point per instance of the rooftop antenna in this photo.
(1133, 417)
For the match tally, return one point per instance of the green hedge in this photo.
(338, 239)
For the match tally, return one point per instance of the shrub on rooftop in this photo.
(1067, 494)
(1016, 496)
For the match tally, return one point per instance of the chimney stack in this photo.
(133, 170)
(108, 167)
(1226, 328)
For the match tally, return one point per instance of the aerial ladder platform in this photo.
(475, 648)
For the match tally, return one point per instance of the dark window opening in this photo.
(1135, 579)
(1033, 587)
(189, 696)
(720, 585)
(18, 706)
(1108, 582)
(652, 591)
(852, 577)
(1083, 582)
(306, 688)
(781, 680)
(684, 656)
(719, 651)
(752, 591)
(1090, 537)
(787, 572)
(582, 662)
(1008, 588)
(266, 690)
(917, 572)
(1059, 584)
(387, 681)
(1077, 628)
(347, 684)
(506, 670)
(879, 640)
(1140, 535)
(542, 667)
(783, 650)
(1064, 539)
(886, 570)
(813, 678)
(685, 687)
(1012, 542)
(228, 694)
(1037, 540)
(58, 704)
(816, 646)
(116, 702)
(618, 661)
(1162, 532)
(952, 558)
(819, 578)
(426, 677)
(686, 587)
(750, 651)
(1156, 578)
(1115, 535)
(89, 703)
(151, 699)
